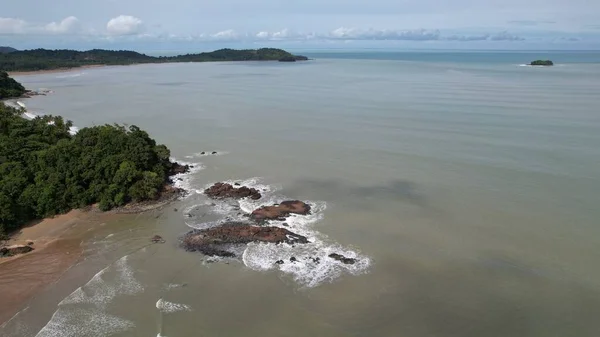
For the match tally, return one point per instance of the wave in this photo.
(71, 75)
(82, 313)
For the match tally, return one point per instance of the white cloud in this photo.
(343, 33)
(125, 25)
(12, 26)
(226, 35)
(66, 26)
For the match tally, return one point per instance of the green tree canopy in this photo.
(45, 171)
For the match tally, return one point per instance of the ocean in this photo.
(465, 184)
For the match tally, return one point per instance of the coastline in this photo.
(53, 71)
(57, 247)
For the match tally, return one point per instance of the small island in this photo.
(545, 63)
(44, 59)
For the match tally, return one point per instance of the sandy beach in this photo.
(57, 247)
(52, 71)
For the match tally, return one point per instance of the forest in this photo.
(9, 87)
(44, 59)
(45, 171)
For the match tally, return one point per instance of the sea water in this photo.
(464, 184)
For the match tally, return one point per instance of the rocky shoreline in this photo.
(222, 240)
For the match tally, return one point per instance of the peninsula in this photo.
(46, 170)
(44, 59)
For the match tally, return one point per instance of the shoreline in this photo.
(57, 247)
(54, 71)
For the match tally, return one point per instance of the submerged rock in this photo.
(15, 250)
(157, 239)
(214, 152)
(342, 258)
(214, 241)
(224, 190)
(281, 211)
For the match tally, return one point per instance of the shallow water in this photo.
(467, 189)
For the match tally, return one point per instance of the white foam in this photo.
(170, 307)
(185, 182)
(95, 295)
(307, 270)
(84, 322)
(71, 75)
(313, 266)
(30, 115)
(99, 292)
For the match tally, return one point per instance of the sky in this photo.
(199, 25)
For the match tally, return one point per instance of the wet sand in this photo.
(57, 247)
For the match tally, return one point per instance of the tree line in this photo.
(45, 171)
(44, 59)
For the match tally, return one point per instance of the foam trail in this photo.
(170, 307)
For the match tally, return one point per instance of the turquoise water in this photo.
(465, 183)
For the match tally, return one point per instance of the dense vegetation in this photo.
(9, 87)
(542, 63)
(44, 170)
(43, 59)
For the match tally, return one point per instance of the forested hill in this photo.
(44, 59)
(9, 87)
(44, 170)
(4, 49)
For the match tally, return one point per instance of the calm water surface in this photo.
(468, 187)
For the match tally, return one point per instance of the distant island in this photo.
(44, 59)
(542, 63)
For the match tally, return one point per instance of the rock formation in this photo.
(214, 241)
(224, 190)
(281, 211)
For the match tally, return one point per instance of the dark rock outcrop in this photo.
(214, 241)
(15, 250)
(177, 168)
(281, 211)
(342, 258)
(224, 190)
